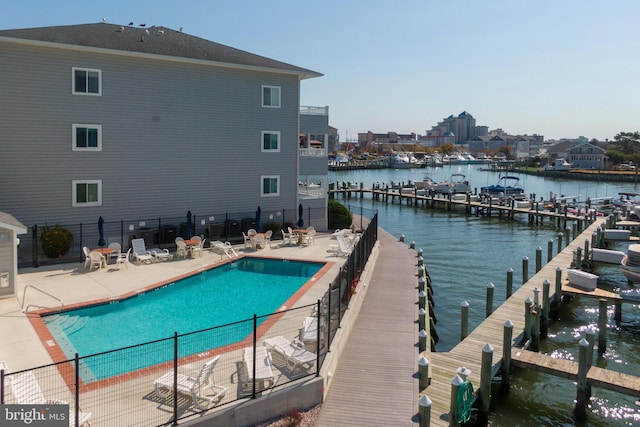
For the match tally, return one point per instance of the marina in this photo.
(492, 246)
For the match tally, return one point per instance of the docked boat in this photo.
(399, 161)
(507, 186)
(560, 164)
(455, 184)
(630, 265)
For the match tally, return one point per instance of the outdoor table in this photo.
(300, 232)
(104, 252)
(191, 243)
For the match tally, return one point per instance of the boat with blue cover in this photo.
(507, 186)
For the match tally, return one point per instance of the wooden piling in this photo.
(489, 302)
(507, 336)
(423, 373)
(527, 320)
(485, 380)
(580, 409)
(602, 326)
(538, 259)
(509, 283)
(525, 269)
(546, 303)
(424, 411)
(464, 324)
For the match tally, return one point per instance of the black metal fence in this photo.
(161, 232)
(136, 386)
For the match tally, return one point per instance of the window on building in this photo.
(87, 137)
(271, 96)
(270, 140)
(270, 186)
(87, 81)
(87, 193)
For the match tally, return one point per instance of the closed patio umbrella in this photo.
(101, 241)
(258, 215)
(300, 220)
(189, 225)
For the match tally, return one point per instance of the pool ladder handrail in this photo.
(24, 294)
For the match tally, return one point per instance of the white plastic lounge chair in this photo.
(160, 254)
(201, 386)
(123, 258)
(26, 391)
(223, 249)
(117, 249)
(140, 252)
(293, 352)
(264, 373)
(96, 259)
(343, 248)
(181, 249)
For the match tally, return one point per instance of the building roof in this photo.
(154, 40)
(9, 222)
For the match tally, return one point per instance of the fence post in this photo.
(318, 339)
(253, 368)
(175, 378)
(76, 407)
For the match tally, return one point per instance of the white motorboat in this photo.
(507, 186)
(631, 264)
(399, 161)
(560, 164)
(455, 184)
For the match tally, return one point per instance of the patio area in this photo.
(132, 401)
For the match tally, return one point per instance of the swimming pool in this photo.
(219, 296)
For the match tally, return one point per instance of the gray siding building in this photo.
(124, 122)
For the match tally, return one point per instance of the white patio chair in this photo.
(309, 237)
(267, 237)
(194, 385)
(96, 259)
(26, 391)
(117, 249)
(87, 260)
(286, 238)
(179, 239)
(123, 258)
(181, 249)
(198, 249)
(248, 242)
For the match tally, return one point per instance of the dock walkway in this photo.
(375, 383)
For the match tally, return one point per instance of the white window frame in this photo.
(87, 70)
(267, 103)
(270, 132)
(262, 193)
(74, 135)
(74, 190)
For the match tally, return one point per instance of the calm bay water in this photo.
(464, 253)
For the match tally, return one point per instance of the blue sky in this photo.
(557, 68)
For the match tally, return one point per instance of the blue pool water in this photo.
(220, 296)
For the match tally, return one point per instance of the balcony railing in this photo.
(313, 152)
(314, 111)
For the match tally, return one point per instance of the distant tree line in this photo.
(625, 147)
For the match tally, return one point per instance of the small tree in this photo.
(339, 216)
(56, 241)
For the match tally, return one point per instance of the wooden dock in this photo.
(485, 206)
(468, 353)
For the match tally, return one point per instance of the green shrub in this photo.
(56, 241)
(274, 227)
(339, 216)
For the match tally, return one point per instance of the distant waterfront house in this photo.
(587, 156)
(125, 122)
